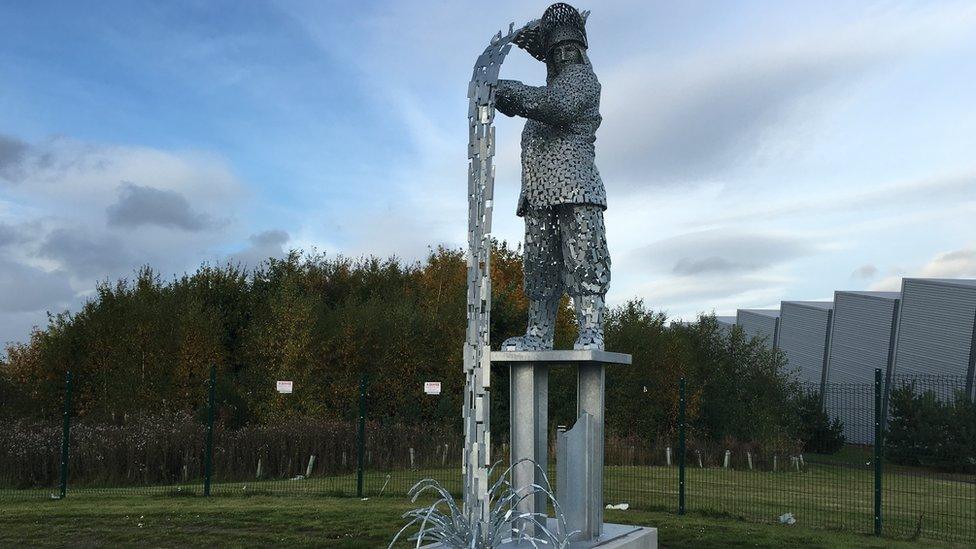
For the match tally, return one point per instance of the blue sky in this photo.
(752, 152)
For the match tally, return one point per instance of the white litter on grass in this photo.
(619, 506)
(299, 477)
(787, 518)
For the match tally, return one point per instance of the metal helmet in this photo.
(560, 23)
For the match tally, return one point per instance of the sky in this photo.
(752, 151)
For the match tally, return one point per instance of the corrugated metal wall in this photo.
(935, 327)
(864, 325)
(803, 336)
(759, 323)
(932, 325)
(725, 323)
(861, 340)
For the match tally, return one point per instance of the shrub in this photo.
(818, 433)
(169, 449)
(927, 431)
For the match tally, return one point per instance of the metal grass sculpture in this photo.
(444, 521)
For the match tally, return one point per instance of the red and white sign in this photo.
(285, 387)
(432, 387)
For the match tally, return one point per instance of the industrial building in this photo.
(725, 323)
(926, 331)
(862, 340)
(937, 329)
(763, 323)
(804, 337)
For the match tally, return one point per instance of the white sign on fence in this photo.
(285, 387)
(432, 387)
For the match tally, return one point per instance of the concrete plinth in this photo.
(615, 536)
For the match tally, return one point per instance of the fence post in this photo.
(361, 437)
(878, 441)
(65, 438)
(208, 459)
(681, 446)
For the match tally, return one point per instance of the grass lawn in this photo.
(101, 521)
(828, 497)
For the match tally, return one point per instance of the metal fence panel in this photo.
(928, 487)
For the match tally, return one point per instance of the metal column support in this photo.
(574, 475)
(529, 421)
(361, 438)
(681, 446)
(65, 438)
(878, 442)
(208, 457)
(590, 400)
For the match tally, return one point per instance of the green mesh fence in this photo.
(928, 478)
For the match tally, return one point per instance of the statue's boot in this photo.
(541, 328)
(589, 319)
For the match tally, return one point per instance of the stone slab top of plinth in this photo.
(561, 357)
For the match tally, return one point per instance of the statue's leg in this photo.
(541, 259)
(586, 269)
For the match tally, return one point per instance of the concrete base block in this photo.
(614, 536)
(642, 538)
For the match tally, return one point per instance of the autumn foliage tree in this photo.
(146, 345)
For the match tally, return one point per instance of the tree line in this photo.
(144, 346)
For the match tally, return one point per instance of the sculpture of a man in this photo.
(562, 198)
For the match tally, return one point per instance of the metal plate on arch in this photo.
(560, 357)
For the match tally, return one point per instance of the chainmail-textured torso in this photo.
(558, 149)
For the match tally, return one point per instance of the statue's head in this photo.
(564, 54)
(559, 38)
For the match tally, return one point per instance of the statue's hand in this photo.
(504, 101)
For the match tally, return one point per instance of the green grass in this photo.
(827, 497)
(840, 498)
(103, 521)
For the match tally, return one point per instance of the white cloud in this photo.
(686, 297)
(145, 205)
(936, 189)
(24, 288)
(887, 284)
(954, 264)
(867, 271)
(685, 118)
(959, 263)
(85, 253)
(61, 170)
(263, 246)
(722, 251)
(81, 212)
